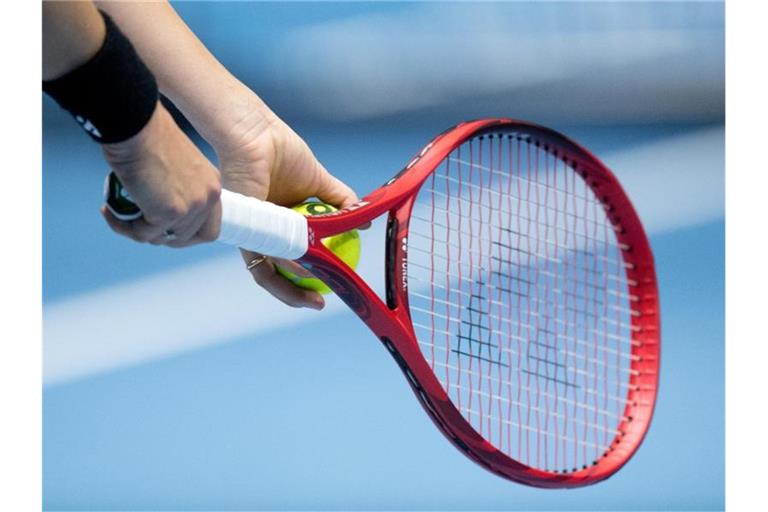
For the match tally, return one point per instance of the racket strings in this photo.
(532, 331)
(518, 291)
(582, 237)
(621, 399)
(522, 179)
(522, 294)
(535, 205)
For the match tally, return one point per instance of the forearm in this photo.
(213, 100)
(73, 32)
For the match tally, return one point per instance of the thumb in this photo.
(333, 191)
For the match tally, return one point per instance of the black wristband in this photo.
(113, 95)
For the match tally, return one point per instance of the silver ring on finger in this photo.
(255, 262)
(169, 235)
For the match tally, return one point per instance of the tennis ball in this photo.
(345, 245)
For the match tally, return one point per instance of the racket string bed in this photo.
(519, 295)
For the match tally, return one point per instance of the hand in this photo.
(262, 157)
(259, 155)
(175, 186)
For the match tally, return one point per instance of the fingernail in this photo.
(317, 304)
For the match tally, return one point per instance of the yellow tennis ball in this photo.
(345, 245)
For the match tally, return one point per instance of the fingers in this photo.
(334, 191)
(196, 228)
(180, 234)
(119, 227)
(197, 223)
(193, 228)
(293, 267)
(266, 276)
(140, 231)
(200, 227)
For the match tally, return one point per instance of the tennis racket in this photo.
(521, 299)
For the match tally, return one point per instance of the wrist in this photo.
(218, 105)
(124, 157)
(229, 117)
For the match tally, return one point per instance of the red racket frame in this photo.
(390, 319)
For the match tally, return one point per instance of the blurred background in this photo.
(173, 382)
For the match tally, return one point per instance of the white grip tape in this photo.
(262, 227)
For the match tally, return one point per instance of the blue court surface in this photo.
(173, 382)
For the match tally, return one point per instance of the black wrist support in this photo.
(113, 95)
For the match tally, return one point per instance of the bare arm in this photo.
(209, 95)
(72, 33)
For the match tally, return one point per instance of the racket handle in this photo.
(246, 222)
(262, 227)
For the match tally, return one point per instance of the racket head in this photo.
(521, 300)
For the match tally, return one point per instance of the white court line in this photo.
(166, 314)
